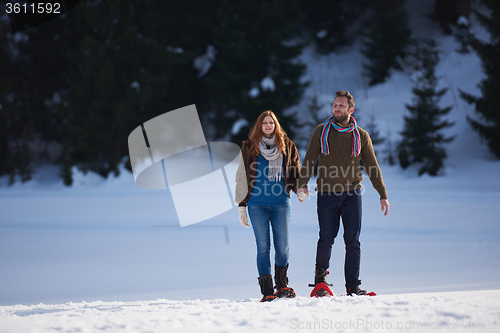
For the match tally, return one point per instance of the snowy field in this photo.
(106, 255)
(452, 311)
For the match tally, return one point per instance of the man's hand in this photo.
(384, 203)
(302, 194)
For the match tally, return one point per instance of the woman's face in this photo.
(268, 126)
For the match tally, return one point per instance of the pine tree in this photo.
(30, 78)
(390, 150)
(386, 40)
(314, 118)
(448, 13)
(326, 21)
(462, 35)
(372, 129)
(132, 64)
(422, 137)
(7, 166)
(256, 66)
(87, 79)
(487, 121)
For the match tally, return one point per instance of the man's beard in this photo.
(341, 118)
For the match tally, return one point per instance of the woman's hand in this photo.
(243, 217)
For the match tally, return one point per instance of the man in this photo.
(340, 145)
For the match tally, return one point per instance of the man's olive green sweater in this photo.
(339, 171)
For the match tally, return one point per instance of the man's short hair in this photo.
(350, 99)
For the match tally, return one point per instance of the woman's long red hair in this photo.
(256, 133)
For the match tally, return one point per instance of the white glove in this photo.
(303, 195)
(243, 217)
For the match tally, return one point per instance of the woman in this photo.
(268, 170)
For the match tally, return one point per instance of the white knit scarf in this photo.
(274, 157)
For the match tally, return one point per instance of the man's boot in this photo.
(356, 290)
(320, 276)
(281, 280)
(323, 289)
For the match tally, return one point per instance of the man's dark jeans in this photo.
(332, 206)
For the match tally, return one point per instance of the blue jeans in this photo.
(278, 217)
(332, 206)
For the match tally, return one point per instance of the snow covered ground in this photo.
(106, 255)
(452, 311)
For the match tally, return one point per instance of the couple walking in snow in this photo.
(270, 168)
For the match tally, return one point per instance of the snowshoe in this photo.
(285, 292)
(321, 290)
(359, 292)
(268, 298)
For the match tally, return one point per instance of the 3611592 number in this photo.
(39, 8)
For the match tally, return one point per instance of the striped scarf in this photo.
(356, 141)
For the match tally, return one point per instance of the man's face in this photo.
(341, 111)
